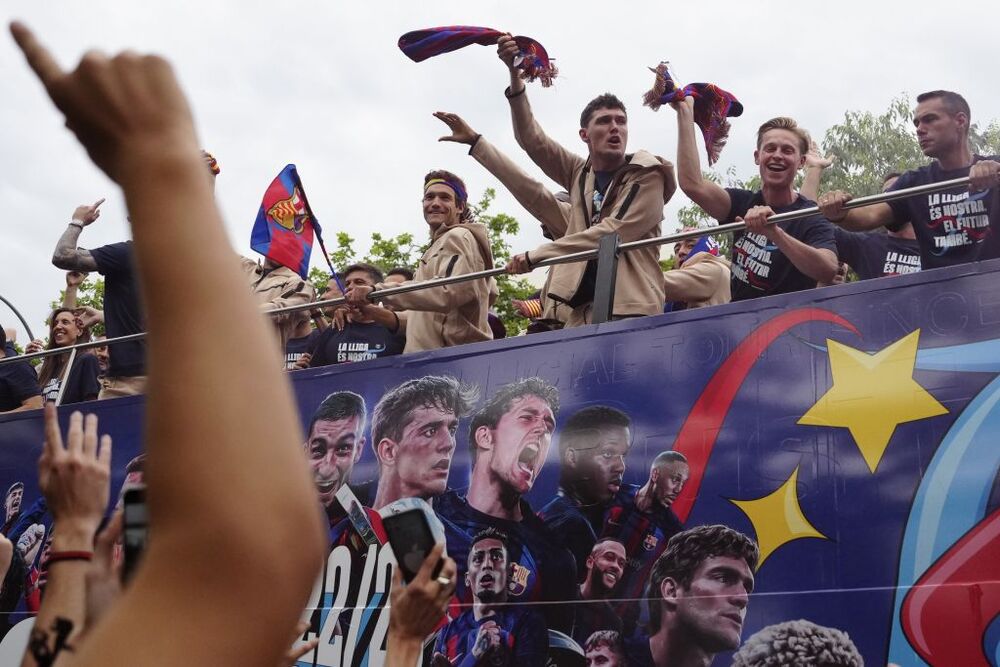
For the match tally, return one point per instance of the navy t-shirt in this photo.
(18, 382)
(81, 385)
(296, 347)
(357, 342)
(524, 640)
(952, 227)
(876, 254)
(542, 571)
(122, 310)
(577, 526)
(759, 268)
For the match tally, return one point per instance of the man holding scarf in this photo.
(452, 314)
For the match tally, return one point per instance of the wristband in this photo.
(56, 556)
(510, 96)
(396, 329)
(528, 260)
(474, 142)
(75, 223)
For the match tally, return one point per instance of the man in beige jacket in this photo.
(452, 314)
(700, 277)
(277, 286)
(610, 191)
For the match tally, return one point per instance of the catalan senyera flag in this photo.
(285, 225)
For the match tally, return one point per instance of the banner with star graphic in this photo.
(752, 483)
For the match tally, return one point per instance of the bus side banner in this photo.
(821, 465)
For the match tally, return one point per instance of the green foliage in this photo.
(89, 293)
(404, 250)
(865, 147)
(986, 142)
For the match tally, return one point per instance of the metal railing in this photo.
(611, 250)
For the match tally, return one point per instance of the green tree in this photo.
(867, 146)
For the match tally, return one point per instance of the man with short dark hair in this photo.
(641, 518)
(605, 649)
(509, 438)
(334, 443)
(18, 381)
(952, 227)
(603, 572)
(766, 258)
(592, 447)
(370, 331)
(399, 274)
(611, 191)
(413, 436)
(492, 632)
(698, 595)
(451, 314)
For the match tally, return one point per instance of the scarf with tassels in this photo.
(533, 61)
(712, 105)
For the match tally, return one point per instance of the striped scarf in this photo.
(712, 106)
(533, 61)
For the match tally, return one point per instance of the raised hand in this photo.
(815, 159)
(508, 50)
(86, 214)
(460, 131)
(87, 316)
(76, 278)
(124, 110)
(75, 477)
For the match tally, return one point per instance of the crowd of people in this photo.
(609, 190)
(624, 580)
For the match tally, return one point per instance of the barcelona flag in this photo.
(285, 224)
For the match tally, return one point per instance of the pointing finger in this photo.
(38, 57)
(98, 202)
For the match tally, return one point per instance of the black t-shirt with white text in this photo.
(876, 254)
(81, 385)
(18, 382)
(296, 347)
(122, 310)
(357, 342)
(759, 268)
(952, 227)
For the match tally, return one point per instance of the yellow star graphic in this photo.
(872, 394)
(777, 518)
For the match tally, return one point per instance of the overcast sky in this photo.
(323, 85)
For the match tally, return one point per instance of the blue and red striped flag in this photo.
(285, 224)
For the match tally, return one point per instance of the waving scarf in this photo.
(712, 106)
(533, 61)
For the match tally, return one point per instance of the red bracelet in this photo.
(56, 556)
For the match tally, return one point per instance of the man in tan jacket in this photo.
(610, 191)
(700, 277)
(277, 286)
(452, 314)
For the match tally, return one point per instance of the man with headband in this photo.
(452, 314)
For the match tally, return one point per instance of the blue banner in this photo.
(849, 433)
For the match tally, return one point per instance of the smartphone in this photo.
(136, 528)
(412, 538)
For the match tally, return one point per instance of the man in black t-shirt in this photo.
(18, 382)
(959, 225)
(766, 259)
(122, 311)
(370, 331)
